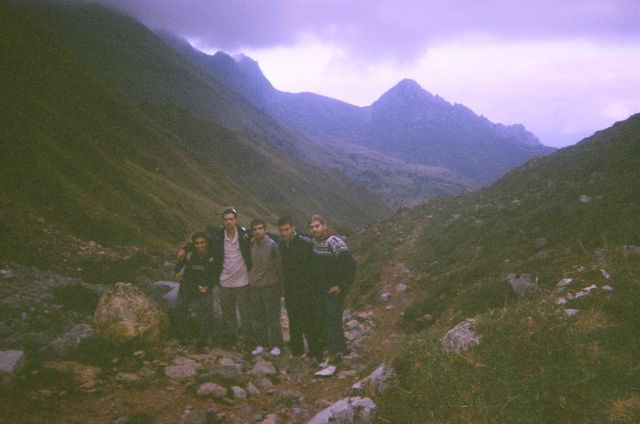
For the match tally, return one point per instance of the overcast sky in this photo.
(563, 68)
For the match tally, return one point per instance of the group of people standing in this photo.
(253, 270)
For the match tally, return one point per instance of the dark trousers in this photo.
(333, 333)
(304, 316)
(233, 302)
(191, 299)
(265, 316)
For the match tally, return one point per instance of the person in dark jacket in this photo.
(297, 256)
(195, 273)
(231, 250)
(333, 271)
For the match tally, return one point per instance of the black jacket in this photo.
(216, 247)
(196, 271)
(297, 261)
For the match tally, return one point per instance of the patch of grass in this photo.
(76, 297)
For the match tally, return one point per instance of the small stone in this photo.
(580, 294)
(585, 199)
(252, 390)
(425, 318)
(11, 363)
(270, 419)
(605, 274)
(401, 288)
(264, 384)
(590, 288)
(377, 381)
(182, 371)
(568, 313)
(347, 411)
(238, 393)
(607, 288)
(263, 368)
(461, 337)
(72, 339)
(561, 301)
(228, 369)
(385, 296)
(211, 389)
(522, 284)
(6, 274)
(128, 377)
(564, 283)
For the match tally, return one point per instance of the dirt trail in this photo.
(295, 396)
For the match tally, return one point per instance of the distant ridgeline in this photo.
(409, 140)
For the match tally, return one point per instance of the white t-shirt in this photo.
(234, 271)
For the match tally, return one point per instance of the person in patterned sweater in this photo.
(333, 270)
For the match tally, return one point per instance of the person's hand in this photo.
(178, 277)
(334, 290)
(181, 254)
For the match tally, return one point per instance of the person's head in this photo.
(230, 217)
(317, 227)
(286, 228)
(258, 228)
(200, 242)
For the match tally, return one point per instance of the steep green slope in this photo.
(82, 161)
(574, 214)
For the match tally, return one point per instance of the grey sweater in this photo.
(265, 259)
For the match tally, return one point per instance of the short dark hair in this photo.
(285, 220)
(228, 210)
(316, 217)
(199, 234)
(257, 221)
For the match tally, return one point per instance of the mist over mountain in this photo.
(406, 123)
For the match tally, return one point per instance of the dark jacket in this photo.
(333, 264)
(216, 247)
(297, 258)
(196, 271)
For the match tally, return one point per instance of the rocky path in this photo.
(177, 384)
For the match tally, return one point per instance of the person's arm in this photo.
(180, 268)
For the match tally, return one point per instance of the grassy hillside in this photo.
(83, 160)
(574, 214)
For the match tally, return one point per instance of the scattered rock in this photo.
(184, 369)
(6, 274)
(607, 288)
(605, 274)
(238, 393)
(270, 419)
(124, 314)
(425, 318)
(461, 337)
(263, 368)
(228, 369)
(564, 283)
(85, 376)
(211, 390)
(11, 363)
(568, 313)
(347, 411)
(351, 324)
(377, 381)
(385, 296)
(541, 242)
(72, 339)
(252, 390)
(200, 417)
(128, 377)
(401, 288)
(264, 384)
(585, 199)
(561, 301)
(522, 284)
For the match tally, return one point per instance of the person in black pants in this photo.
(195, 273)
(297, 257)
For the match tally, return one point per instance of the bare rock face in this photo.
(461, 337)
(11, 363)
(124, 315)
(347, 411)
(376, 382)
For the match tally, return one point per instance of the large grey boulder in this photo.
(169, 291)
(182, 369)
(11, 363)
(350, 410)
(124, 315)
(228, 369)
(522, 284)
(461, 337)
(263, 368)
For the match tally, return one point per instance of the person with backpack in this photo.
(334, 270)
(195, 273)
